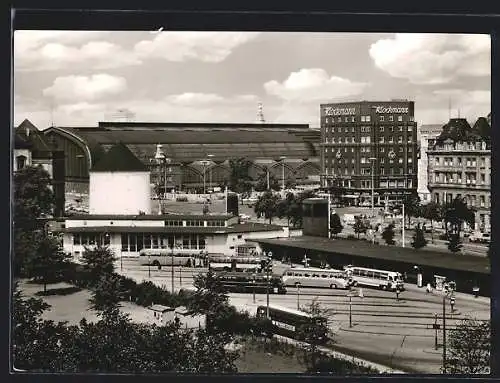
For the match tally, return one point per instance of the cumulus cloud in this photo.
(313, 85)
(182, 46)
(189, 99)
(431, 58)
(56, 50)
(83, 88)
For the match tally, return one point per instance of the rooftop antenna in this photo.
(458, 112)
(449, 108)
(260, 113)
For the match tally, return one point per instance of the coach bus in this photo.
(289, 322)
(222, 262)
(316, 277)
(241, 282)
(163, 257)
(383, 279)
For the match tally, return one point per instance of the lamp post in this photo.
(210, 187)
(204, 163)
(269, 258)
(350, 309)
(436, 327)
(282, 158)
(298, 296)
(372, 160)
(149, 266)
(161, 160)
(172, 268)
(253, 283)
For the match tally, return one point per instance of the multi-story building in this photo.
(369, 143)
(460, 166)
(424, 134)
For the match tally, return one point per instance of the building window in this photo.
(381, 118)
(21, 162)
(382, 150)
(436, 160)
(381, 140)
(353, 161)
(352, 150)
(410, 170)
(76, 239)
(401, 171)
(400, 128)
(483, 178)
(483, 162)
(339, 119)
(410, 149)
(401, 149)
(363, 160)
(346, 130)
(400, 118)
(391, 118)
(391, 140)
(382, 171)
(410, 129)
(382, 160)
(400, 160)
(483, 200)
(352, 129)
(400, 139)
(381, 129)
(391, 129)
(339, 130)
(410, 160)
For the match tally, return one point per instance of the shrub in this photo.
(181, 199)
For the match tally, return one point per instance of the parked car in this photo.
(480, 237)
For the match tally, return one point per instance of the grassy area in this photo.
(73, 305)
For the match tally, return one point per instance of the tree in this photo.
(261, 184)
(454, 243)
(313, 332)
(33, 201)
(48, 262)
(285, 206)
(295, 209)
(209, 298)
(97, 262)
(359, 226)
(412, 206)
(107, 294)
(239, 176)
(388, 234)
(335, 224)
(33, 197)
(456, 213)
(469, 347)
(419, 240)
(267, 205)
(433, 212)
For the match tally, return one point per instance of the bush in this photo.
(181, 199)
(351, 236)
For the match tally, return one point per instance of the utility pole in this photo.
(270, 259)
(403, 226)
(444, 334)
(172, 269)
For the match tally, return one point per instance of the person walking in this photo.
(428, 288)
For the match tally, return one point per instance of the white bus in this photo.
(163, 257)
(316, 277)
(224, 262)
(383, 279)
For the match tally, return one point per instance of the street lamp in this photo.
(172, 267)
(269, 261)
(210, 187)
(204, 163)
(298, 296)
(149, 266)
(253, 283)
(372, 160)
(452, 299)
(282, 158)
(350, 308)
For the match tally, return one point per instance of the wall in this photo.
(119, 193)
(117, 222)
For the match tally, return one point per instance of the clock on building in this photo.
(338, 154)
(392, 154)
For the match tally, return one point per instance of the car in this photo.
(480, 237)
(244, 216)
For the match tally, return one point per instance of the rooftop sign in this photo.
(331, 111)
(390, 109)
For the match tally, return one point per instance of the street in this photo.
(384, 329)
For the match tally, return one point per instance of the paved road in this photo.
(384, 330)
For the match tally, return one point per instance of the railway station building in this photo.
(120, 217)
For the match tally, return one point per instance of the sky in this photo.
(78, 78)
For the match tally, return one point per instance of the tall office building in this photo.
(460, 166)
(424, 134)
(369, 141)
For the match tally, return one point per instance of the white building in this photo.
(119, 184)
(424, 134)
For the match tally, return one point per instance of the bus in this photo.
(241, 282)
(163, 257)
(383, 279)
(288, 322)
(316, 277)
(222, 262)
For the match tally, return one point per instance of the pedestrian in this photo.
(428, 288)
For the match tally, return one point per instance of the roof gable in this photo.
(119, 159)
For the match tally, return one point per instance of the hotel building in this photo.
(369, 143)
(460, 166)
